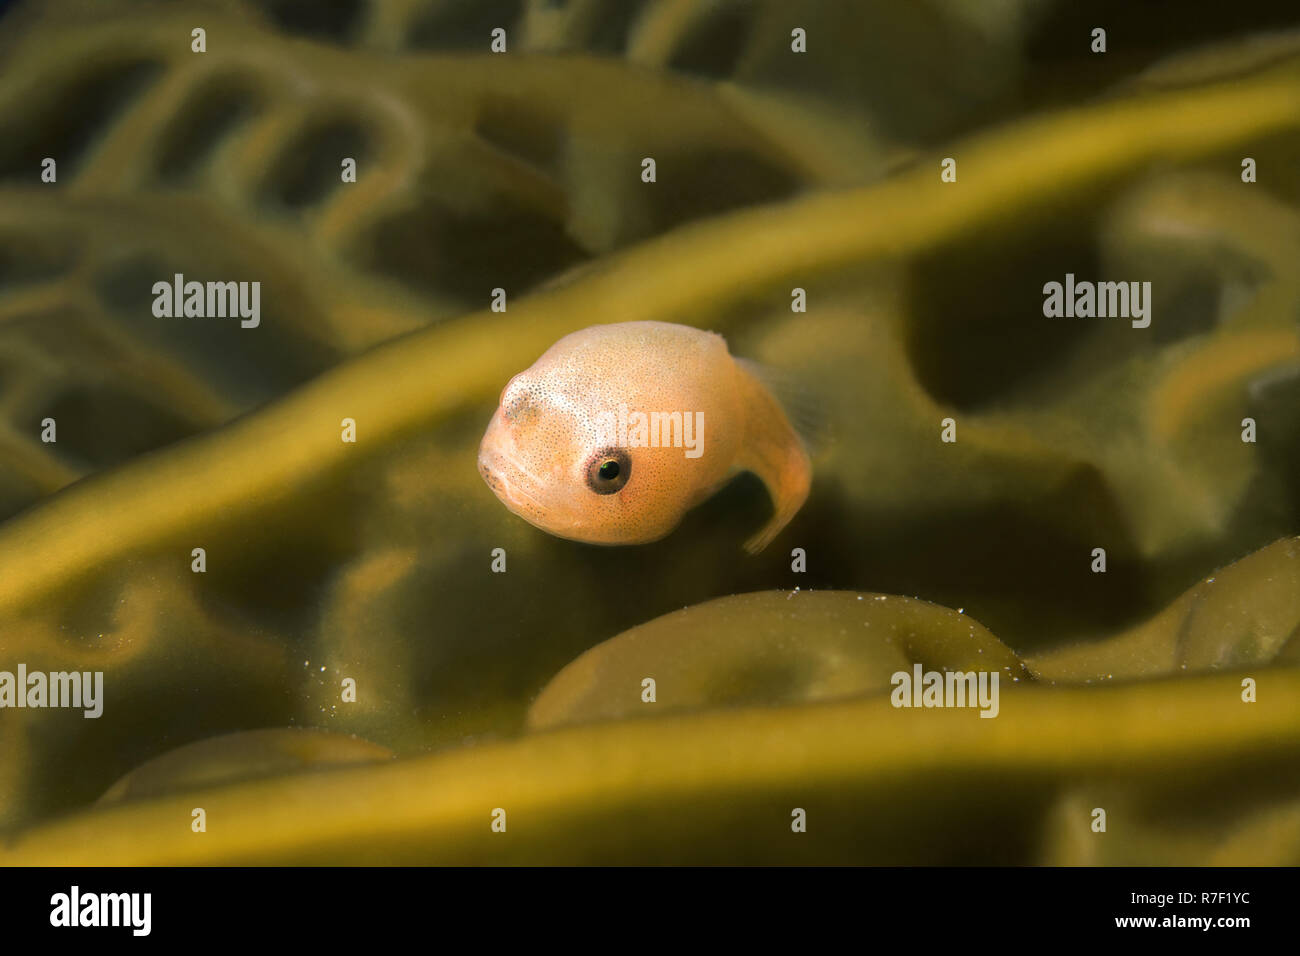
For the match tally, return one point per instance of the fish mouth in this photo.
(509, 484)
(517, 490)
(491, 477)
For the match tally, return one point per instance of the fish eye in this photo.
(608, 471)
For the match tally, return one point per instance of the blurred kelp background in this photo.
(522, 691)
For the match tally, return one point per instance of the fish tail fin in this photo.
(774, 451)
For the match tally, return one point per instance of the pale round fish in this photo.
(567, 452)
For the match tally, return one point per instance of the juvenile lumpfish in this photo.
(618, 429)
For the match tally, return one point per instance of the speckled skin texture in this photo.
(545, 445)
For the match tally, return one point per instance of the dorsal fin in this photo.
(803, 409)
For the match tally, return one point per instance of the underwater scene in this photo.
(630, 432)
